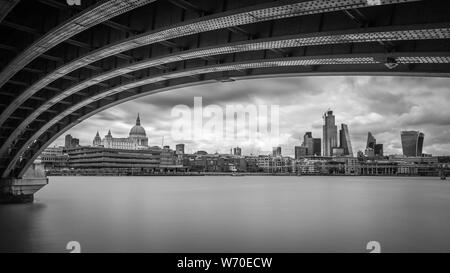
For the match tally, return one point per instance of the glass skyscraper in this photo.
(412, 143)
(379, 150)
(371, 141)
(308, 143)
(313, 145)
(300, 152)
(276, 151)
(372, 144)
(330, 139)
(237, 151)
(317, 144)
(345, 141)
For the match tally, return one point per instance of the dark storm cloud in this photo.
(382, 105)
(223, 93)
(383, 101)
(428, 116)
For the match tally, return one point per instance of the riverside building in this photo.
(136, 140)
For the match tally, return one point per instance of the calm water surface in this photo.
(231, 214)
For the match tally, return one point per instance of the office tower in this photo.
(313, 145)
(379, 150)
(75, 142)
(370, 153)
(68, 141)
(300, 152)
(317, 144)
(276, 151)
(345, 141)
(308, 143)
(329, 133)
(71, 142)
(179, 149)
(412, 143)
(372, 144)
(371, 141)
(338, 151)
(237, 151)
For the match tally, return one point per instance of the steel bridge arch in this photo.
(256, 14)
(19, 168)
(192, 50)
(353, 36)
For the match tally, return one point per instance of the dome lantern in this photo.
(138, 130)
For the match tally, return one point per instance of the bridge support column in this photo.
(22, 190)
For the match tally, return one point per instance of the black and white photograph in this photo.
(244, 127)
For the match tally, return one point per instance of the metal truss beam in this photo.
(376, 60)
(187, 5)
(6, 6)
(111, 24)
(83, 21)
(419, 32)
(63, 125)
(250, 15)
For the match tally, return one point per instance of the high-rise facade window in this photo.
(371, 141)
(412, 143)
(237, 151)
(317, 144)
(276, 151)
(179, 149)
(346, 143)
(330, 139)
(300, 152)
(313, 145)
(379, 150)
(68, 141)
(71, 142)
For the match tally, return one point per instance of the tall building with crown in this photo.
(330, 139)
(137, 139)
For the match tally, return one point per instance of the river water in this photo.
(231, 214)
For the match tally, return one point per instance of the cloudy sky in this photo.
(382, 105)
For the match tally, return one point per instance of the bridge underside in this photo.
(61, 64)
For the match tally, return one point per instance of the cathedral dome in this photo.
(137, 130)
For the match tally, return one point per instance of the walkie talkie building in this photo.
(412, 143)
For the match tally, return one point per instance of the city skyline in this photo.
(138, 139)
(302, 98)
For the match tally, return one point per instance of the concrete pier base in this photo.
(22, 190)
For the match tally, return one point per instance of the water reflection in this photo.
(20, 226)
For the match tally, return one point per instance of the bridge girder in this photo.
(6, 6)
(234, 18)
(205, 41)
(423, 32)
(362, 64)
(86, 19)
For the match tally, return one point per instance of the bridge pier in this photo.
(22, 190)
